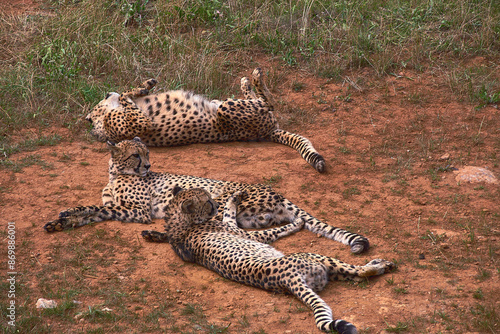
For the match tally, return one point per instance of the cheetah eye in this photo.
(136, 155)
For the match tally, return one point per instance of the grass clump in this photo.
(59, 65)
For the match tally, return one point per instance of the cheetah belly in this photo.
(179, 118)
(233, 257)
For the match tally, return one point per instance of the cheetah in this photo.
(136, 194)
(246, 256)
(178, 117)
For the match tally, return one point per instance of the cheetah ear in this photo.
(112, 147)
(188, 206)
(137, 139)
(176, 190)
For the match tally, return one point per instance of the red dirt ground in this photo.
(384, 179)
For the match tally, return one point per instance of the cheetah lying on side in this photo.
(220, 245)
(136, 194)
(178, 117)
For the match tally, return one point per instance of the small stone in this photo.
(45, 303)
(475, 174)
(421, 256)
(445, 156)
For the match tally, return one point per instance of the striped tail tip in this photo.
(318, 162)
(360, 246)
(344, 327)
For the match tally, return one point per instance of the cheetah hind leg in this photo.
(247, 89)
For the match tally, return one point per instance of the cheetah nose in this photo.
(147, 166)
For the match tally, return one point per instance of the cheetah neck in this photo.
(177, 226)
(113, 171)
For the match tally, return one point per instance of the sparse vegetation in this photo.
(373, 75)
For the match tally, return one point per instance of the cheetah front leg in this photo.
(271, 235)
(126, 98)
(262, 92)
(246, 89)
(230, 209)
(84, 215)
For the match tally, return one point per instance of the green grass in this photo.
(59, 65)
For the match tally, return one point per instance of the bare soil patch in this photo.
(17, 7)
(385, 179)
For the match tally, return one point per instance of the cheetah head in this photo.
(96, 115)
(129, 157)
(195, 204)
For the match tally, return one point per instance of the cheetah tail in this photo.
(302, 145)
(322, 312)
(358, 243)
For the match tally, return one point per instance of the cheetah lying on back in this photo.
(179, 117)
(245, 256)
(136, 194)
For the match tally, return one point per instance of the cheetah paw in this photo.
(239, 196)
(257, 73)
(148, 84)
(377, 267)
(56, 225)
(245, 84)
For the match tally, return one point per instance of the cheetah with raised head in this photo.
(136, 194)
(180, 117)
(245, 256)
